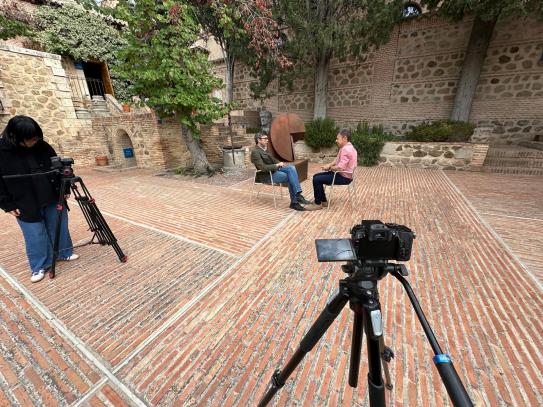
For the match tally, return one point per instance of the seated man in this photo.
(345, 163)
(281, 172)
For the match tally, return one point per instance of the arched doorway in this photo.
(125, 150)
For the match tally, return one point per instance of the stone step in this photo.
(514, 162)
(514, 152)
(537, 145)
(513, 170)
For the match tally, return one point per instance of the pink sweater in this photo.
(347, 159)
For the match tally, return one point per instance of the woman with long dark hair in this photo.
(32, 200)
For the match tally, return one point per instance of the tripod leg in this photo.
(356, 344)
(455, 388)
(317, 330)
(386, 355)
(56, 243)
(374, 333)
(97, 223)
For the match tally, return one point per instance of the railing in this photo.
(85, 88)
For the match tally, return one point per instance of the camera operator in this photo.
(32, 200)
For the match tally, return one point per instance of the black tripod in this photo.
(97, 224)
(360, 290)
(102, 234)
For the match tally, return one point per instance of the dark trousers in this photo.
(325, 178)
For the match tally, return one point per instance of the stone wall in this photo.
(414, 77)
(35, 84)
(156, 145)
(445, 156)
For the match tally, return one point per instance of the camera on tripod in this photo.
(370, 240)
(367, 254)
(63, 165)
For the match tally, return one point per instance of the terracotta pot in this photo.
(126, 108)
(101, 160)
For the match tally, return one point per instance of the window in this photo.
(411, 10)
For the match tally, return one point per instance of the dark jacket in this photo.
(31, 194)
(264, 162)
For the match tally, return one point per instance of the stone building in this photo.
(74, 104)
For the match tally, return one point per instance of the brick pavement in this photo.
(217, 294)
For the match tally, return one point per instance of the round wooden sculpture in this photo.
(285, 129)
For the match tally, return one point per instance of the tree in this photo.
(486, 13)
(318, 30)
(168, 71)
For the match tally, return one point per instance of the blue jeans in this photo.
(325, 178)
(39, 238)
(288, 175)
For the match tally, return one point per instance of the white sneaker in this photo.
(72, 257)
(37, 276)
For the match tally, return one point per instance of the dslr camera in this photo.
(370, 240)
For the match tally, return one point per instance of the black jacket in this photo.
(264, 162)
(31, 194)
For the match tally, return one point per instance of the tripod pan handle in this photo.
(453, 384)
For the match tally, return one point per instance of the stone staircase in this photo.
(514, 160)
(99, 107)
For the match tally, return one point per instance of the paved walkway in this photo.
(217, 293)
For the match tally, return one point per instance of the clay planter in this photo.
(126, 108)
(101, 160)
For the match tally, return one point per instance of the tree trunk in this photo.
(200, 163)
(321, 85)
(230, 62)
(229, 78)
(481, 33)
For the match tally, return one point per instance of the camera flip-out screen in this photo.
(335, 250)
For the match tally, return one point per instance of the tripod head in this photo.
(372, 269)
(63, 166)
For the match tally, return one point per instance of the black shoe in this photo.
(296, 206)
(301, 199)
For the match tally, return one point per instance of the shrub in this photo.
(441, 130)
(321, 133)
(369, 142)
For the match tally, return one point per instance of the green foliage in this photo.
(252, 130)
(486, 9)
(122, 90)
(162, 64)
(321, 133)
(440, 131)
(74, 31)
(10, 29)
(369, 142)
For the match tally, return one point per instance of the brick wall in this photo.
(414, 77)
(157, 144)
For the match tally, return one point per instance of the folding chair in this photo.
(350, 186)
(273, 184)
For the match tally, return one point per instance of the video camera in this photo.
(63, 165)
(370, 240)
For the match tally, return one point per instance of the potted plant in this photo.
(101, 160)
